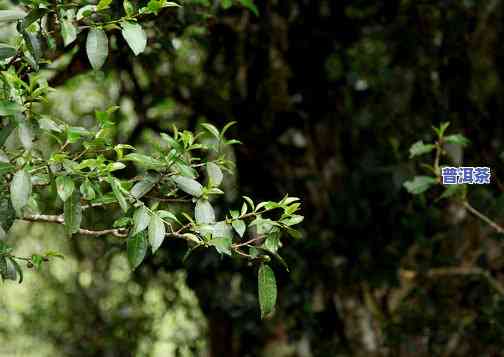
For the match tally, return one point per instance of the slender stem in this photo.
(446, 271)
(58, 219)
(484, 218)
(248, 242)
(437, 171)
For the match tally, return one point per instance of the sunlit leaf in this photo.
(157, 232)
(97, 47)
(65, 187)
(135, 36)
(204, 212)
(20, 190)
(188, 185)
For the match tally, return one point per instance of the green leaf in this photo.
(103, 4)
(7, 213)
(20, 190)
(226, 128)
(141, 219)
(250, 5)
(204, 212)
(145, 161)
(3, 268)
(7, 51)
(157, 232)
(72, 212)
(97, 48)
(68, 32)
(219, 229)
(214, 173)
(188, 185)
(419, 184)
(239, 226)
(128, 7)
(453, 190)
(114, 166)
(74, 133)
(8, 108)
(419, 148)
(85, 11)
(167, 215)
(186, 170)
(87, 191)
(226, 4)
(25, 135)
(49, 125)
(442, 128)
(11, 273)
(121, 222)
(11, 15)
(18, 269)
(6, 131)
(250, 202)
(267, 290)
(293, 220)
(137, 249)
(37, 261)
(272, 242)
(65, 187)
(117, 189)
(135, 36)
(141, 188)
(457, 139)
(174, 144)
(221, 244)
(211, 129)
(33, 15)
(33, 45)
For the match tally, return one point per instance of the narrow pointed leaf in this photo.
(267, 290)
(116, 188)
(72, 212)
(33, 44)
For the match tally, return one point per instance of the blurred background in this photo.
(329, 96)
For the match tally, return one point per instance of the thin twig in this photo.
(237, 245)
(446, 271)
(484, 218)
(58, 219)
